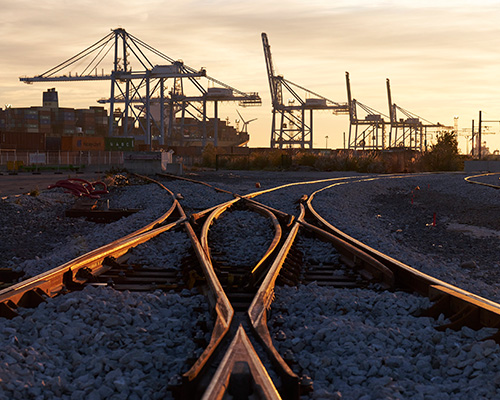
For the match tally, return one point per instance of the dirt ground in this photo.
(25, 182)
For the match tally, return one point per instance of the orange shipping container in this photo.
(82, 143)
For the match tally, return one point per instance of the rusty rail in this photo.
(471, 180)
(31, 292)
(410, 278)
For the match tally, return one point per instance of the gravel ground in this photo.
(36, 235)
(91, 350)
(226, 233)
(396, 216)
(369, 345)
(393, 215)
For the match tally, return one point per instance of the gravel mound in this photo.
(360, 344)
(93, 350)
(165, 251)
(436, 223)
(241, 237)
(36, 235)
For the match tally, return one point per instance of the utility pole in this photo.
(472, 150)
(479, 136)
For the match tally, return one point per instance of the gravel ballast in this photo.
(387, 352)
(91, 349)
(396, 216)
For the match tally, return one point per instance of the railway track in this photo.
(488, 179)
(240, 359)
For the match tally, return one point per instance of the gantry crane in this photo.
(143, 91)
(409, 132)
(292, 125)
(371, 135)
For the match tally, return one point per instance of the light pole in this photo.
(326, 140)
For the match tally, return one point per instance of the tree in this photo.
(443, 155)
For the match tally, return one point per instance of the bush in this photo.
(443, 155)
(208, 156)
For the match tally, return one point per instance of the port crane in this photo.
(292, 123)
(141, 88)
(410, 131)
(367, 133)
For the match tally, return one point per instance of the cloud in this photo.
(442, 57)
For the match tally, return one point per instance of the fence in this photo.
(18, 160)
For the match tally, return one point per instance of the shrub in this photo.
(208, 156)
(443, 155)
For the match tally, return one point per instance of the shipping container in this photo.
(82, 143)
(119, 143)
(23, 141)
(52, 143)
(68, 131)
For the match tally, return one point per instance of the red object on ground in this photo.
(81, 187)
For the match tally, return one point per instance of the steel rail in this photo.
(218, 299)
(470, 180)
(163, 217)
(75, 272)
(171, 176)
(355, 256)
(276, 239)
(241, 356)
(257, 314)
(240, 353)
(263, 191)
(55, 281)
(406, 276)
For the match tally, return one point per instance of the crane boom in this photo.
(352, 107)
(273, 80)
(392, 111)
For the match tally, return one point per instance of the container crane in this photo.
(142, 87)
(292, 123)
(367, 133)
(409, 132)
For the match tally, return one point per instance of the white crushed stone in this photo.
(241, 237)
(164, 251)
(359, 344)
(91, 349)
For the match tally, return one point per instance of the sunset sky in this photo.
(442, 57)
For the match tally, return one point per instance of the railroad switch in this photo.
(202, 323)
(199, 339)
(32, 298)
(8, 309)
(240, 382)
(8, 277)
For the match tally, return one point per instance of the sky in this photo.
(442, 57)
